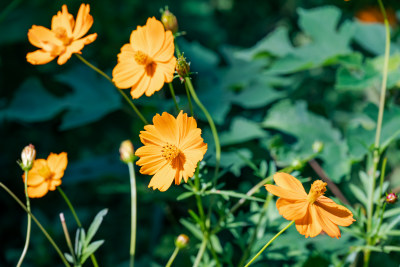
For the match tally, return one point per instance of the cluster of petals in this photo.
(46, 174)
(313, 212)
(63, 39)
(172, 148)
(147, 62)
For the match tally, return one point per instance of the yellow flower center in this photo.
(170, 152)
(61, 33)
(140, 58)
(45, 172)
(318, 188)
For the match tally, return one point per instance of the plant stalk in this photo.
(28, 226)
(133, 213)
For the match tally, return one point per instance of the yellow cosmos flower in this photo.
(64, 38)
(312, 212)
(46, 175)
(172, 148)
(147, 62)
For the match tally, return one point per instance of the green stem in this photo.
(172, 258)
(119, 90)
(28, 226)
(212, 126)
(201, 252)
(78, 222)
(383, 171)
(189, 100)
(269, 242)
(133, 213)
(376, 153)
(171, 89)
(37, 223)
(68, 238)
(254, 235)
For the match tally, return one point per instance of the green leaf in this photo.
(306, 127)
(184, 196)
(359, 194)
(192, 228)
(242, 130)
(216, 244)
(94, 226)
(69, 258)
(391, 212)
(233, 194)
(89, 250)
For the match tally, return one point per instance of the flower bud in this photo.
(391, 198)
(169, 20)
(297, 164)
(28, 156)
(182, 241)
(317, 146)
(126, 151)
(182, 67)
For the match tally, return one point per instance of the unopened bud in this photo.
(317, 146)
(169, 20)
(28, 156)
(126, 151)
(182, 241)
(296, 164)
(182, 67)
(391, 198)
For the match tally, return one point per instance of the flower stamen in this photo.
(45, 172)
(140, 58)
(61, 34)
(318, 188)
(170, 152)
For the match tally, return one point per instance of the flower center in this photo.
(61, 33)
(140, 58)
(45, 172)
(318, 188)
(170, 152)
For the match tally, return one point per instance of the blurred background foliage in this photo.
(276, 77)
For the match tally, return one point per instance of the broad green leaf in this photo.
(242, 130)
(94, 226)
(306, 127)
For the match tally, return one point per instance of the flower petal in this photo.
(84, 22)
(155, 35)
(162, 180)
(39, 35)
(139, 41)
(309, 225)
(75, 47)
(127, 72)
(38, 191)
(284, 193)
(292, 209)
(64, 20)
(156, 82)
(166, 52)
(327, 225)
(39, 57)
(287, 181)
(167, 127)
(168, 68)
(57, 164)
(140, 87)
(336, 213)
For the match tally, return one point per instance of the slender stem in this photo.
(133, 213)
(254, 235)
(28, 226)
(269, 242)
(171, 89)
(68, 238)
(37, 223)
(376, 153)
(78, 222)
(8, 9)
(189, 100)
(172, 258)
(189, 84)
(119, 90)
(201, 252)
(383, 170)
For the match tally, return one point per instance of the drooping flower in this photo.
(46, 174)
(312, 212)
(64, 38)
(147, 62)
(172, 148)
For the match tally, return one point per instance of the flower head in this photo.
(64, 38)
(182, 68)
(372, 14)
(312, 212)
(147, 62)
(172, 148)
(46, 174)
(126, 151)
(28, 156)
(391, 198)
(182, 241)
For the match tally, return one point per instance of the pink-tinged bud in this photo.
(182, 67)
(391, 198)
(28, 156)
(182, 241)
(169, 20)
(126, 151)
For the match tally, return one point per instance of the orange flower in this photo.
(172, 148)
(147, 62)
(46, 175)
(374, 15)
(312, 213)
(64, 38)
